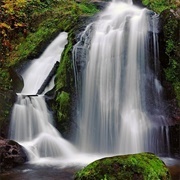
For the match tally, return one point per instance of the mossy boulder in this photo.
(142, 166)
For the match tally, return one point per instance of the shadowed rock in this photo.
(11, 154)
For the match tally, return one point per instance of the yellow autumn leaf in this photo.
(19, 25)
(20, 3)
(4, 25)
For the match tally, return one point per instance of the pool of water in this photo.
(32, 172)
(61, 172)
(174, 167)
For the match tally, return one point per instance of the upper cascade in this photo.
(38, 70)
(125, 1)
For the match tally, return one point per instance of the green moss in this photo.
(65, 69)
(159, 5)
(176, 86)
(5, 99)
(143, 166)
(87, 8)
(5, 80)
(63, 99)
(64, 87)
(170, 30)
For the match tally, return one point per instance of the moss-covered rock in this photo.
(143, 166)
(64, 81)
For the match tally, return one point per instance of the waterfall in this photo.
(120, 108)
(31, 121)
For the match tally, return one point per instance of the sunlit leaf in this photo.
(4, 25)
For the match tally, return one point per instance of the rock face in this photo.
(138, 3)
(11, 154)
(135, 166)
(170, 59)
(17, 81)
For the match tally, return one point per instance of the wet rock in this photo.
(174, 140)
(48, 79)
(138, 3)
(6, 103)
(11, 154)
(17, 80)
(100, 4)
(170, 60)
(135, 166)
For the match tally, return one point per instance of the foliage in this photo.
(135, 166)
(5, 84)
(160, 5)
(42, 22)
(172, 45)
(5, 97)
(177, 90)
(12, 21)
(87, 8)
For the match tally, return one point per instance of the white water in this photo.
(31, 122)
(40, 68)
(121, 108)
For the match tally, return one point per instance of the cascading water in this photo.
(120, 108)
(31, 123)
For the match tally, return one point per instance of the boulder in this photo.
(11, 154)
(135, 166)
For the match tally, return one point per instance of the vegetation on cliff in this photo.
(161, 5)
(170, 16)
(28, 24)
(135, 166)
(65, 86)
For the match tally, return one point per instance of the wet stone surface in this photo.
(11, 154)
(31, 172)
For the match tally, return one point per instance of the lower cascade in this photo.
(120, 108)
(31, 123)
